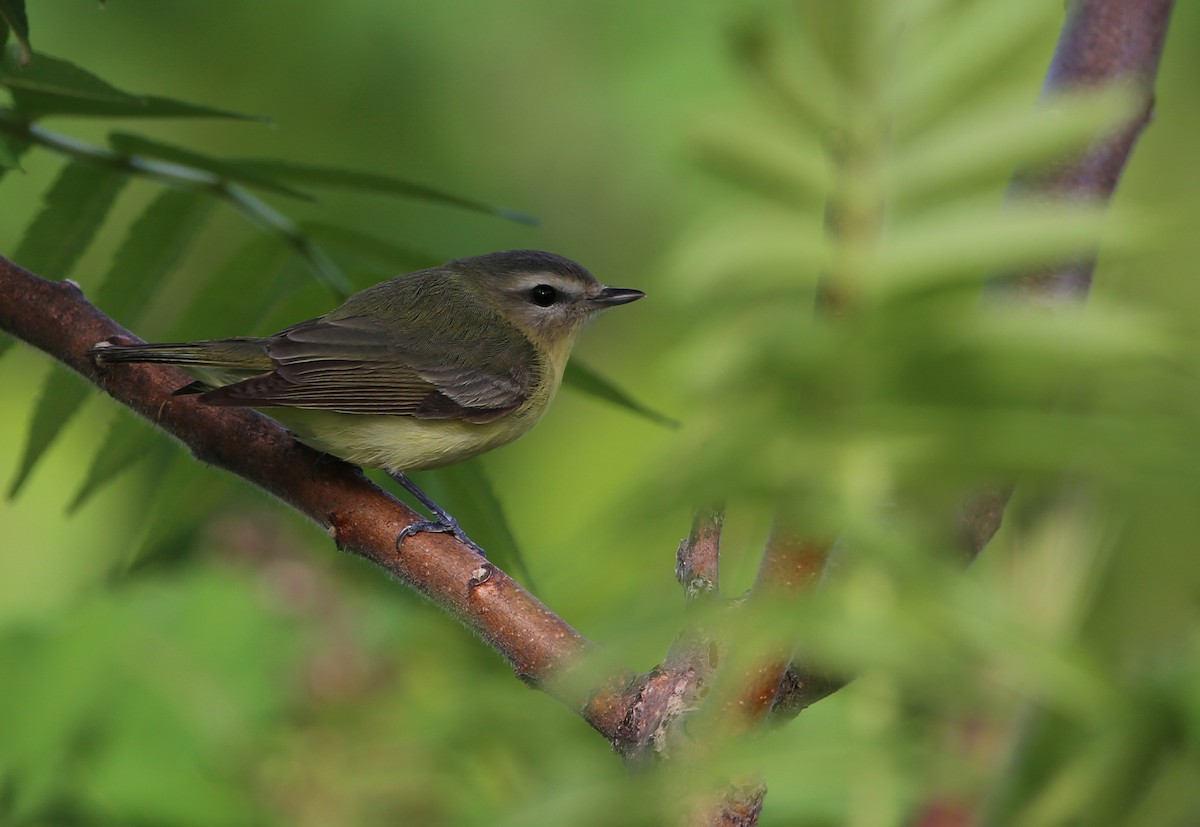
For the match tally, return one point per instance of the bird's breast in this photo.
(405, 443)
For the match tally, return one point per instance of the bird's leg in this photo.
(441, 521)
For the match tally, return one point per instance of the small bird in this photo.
(421, 371)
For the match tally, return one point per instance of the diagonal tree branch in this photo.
(1102, 41)
(360, 517)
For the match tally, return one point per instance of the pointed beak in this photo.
(612, 296)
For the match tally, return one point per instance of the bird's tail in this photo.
(235, 354)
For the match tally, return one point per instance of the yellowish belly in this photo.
(401, 443)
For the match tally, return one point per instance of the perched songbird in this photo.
(418, 372)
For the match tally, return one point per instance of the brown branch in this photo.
(676, 688)
(697, 562)
(791, 566)
(1102, 41)
(739, 806)
(360, 517)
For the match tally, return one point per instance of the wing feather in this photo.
(353, 364)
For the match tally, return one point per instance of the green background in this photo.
(184, 651)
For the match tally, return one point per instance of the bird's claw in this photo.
(440, 526)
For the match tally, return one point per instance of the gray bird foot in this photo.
(440, 526)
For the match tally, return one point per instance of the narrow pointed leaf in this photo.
(62, 396)
(1009, 136)
(789, 69)
(12, 12)
(336, 178)
(981, 37)
(10, 154)
(768, 253)
(770, 162)
(151, 248)
(75, 206)
(153, 245)
(465, 491)
(369, 247)
(127, 443)
(970, 243)
(321, 265)
(223, 306)
(584, 379)
(131, 144)
(187, 495)
(49, 86)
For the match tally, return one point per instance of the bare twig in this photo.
(675, 688)
(697, 562)
(791, 566)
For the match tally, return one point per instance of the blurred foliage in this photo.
(181, 651)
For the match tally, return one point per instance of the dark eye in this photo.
(543, 295)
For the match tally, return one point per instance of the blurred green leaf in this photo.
(126, 443)
(182, 501)
(967, 242)
(1006, 136)
(372, 248)
(62, 396)
(319, 264)
(55, 688)
(49, 86)
(10, 155)
(151, 249)
(154, 735)
(337, 178)
(955, 54)
(12, 12)
(779, 166)
(223, 307)
(131, 144)
(756, 255)
(785, 64)
(153, 245)
(582, 378)
(75, 206)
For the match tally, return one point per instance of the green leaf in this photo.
(187, 495)
(787, 67)
(372, 248)
(768, 161)
(12, 12)
(74, 209)
(1004, 136)
(62, 396)
(582, 378)
(127, 442)
(970, 242)
(224, 306)
(49, 86)
(10, 153)
(153, 245)
(131, 144)
(764, 254)
(466, 493)
(972, 43)
(321, 265)
(337, 178)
